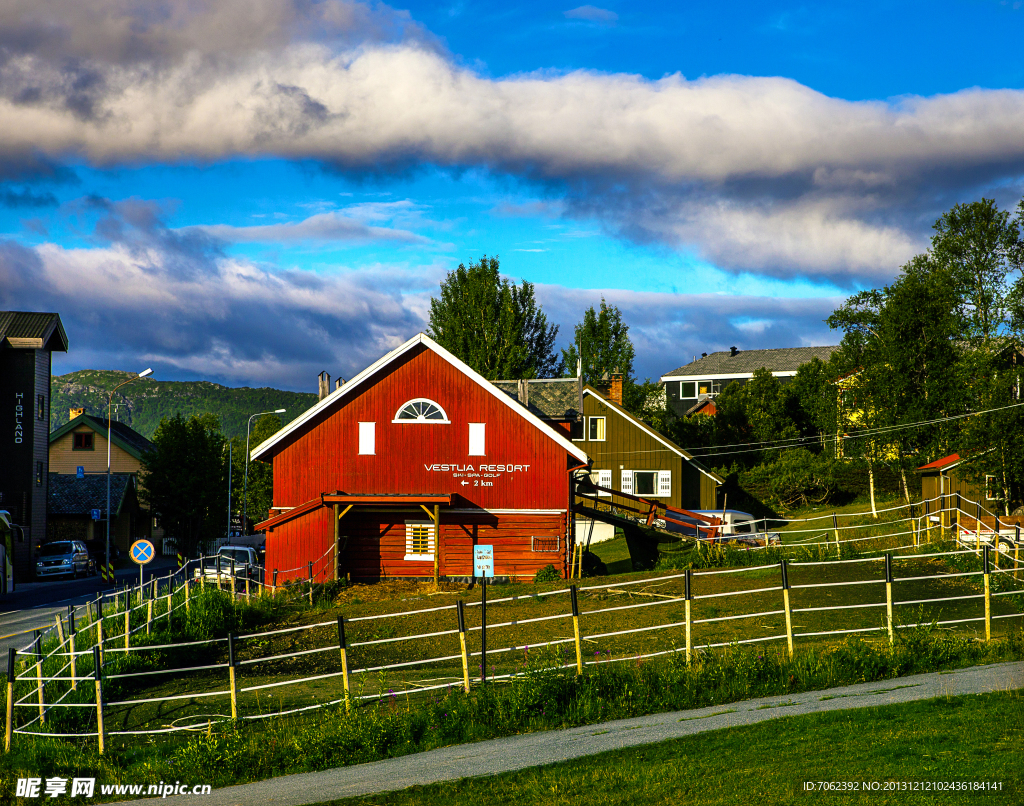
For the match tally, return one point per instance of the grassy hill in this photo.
(145, 402)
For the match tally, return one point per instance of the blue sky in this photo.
(250, 192)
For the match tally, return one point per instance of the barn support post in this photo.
(98, 672)
(576, 628)
(338, 515)
(460, 612)
(688, 593)
(343, 647)
(888, 597)
(12, 654)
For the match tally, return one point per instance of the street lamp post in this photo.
(245, 491)
(110, 401)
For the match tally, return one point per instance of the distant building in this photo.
(688, 386)
(82, 443)
(73, 501)
(27, 341)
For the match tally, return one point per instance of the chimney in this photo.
(703, 355)
(325, 385)
(523, 391)
(604, 386)
(338, 383)
(615, 392)
(75, 413)
(733, 351)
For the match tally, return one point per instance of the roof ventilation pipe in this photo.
(733, 351)
(325, 385)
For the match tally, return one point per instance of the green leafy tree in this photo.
(492, 324)
(602, 339)
(184, 478)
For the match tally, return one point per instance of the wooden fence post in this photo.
(98, 671)
(71, 647)
(60, 629)
(99, 626)
(789, 611)
(928, 520)
(9, 725)
(1016, 549)
(343, 646)
(231, 677)
(483, 629)
(835, 529)
(149, 613)
(913, 525)
(311, 582)
(39, 677)
(888, 596)
(689, 623)
(576, 628)
(988, 597)
(958, 505)
(274, 584)
(460, 612)
(977, 524)
(247, 582)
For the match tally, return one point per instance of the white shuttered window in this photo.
(627, 481)
(664, 483)
(367, 439)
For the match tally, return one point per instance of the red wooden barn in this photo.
(408, 466)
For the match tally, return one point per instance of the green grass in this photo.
(973, 738)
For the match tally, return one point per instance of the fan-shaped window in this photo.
(421, 410)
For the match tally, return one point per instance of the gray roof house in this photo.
(689, 386)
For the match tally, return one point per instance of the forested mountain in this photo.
(143, 403)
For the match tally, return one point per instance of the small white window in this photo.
(419, 540)
(367, 439)
(645, 482)
(602, 478)
(991, 489)
(626, 484)
(595, 429)
(477, 439)
(421, 410)
(664, 483)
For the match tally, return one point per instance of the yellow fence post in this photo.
(977, 525)
(988, 597)
(888, 597)
(344, 661)
(835, 529)
(71, 647)
(689, 621)
(576, 628)
(9, 725)
(39, 677)
(99, 626)
(460, 612)
(789, 610)
(231, 677)
(98, 672)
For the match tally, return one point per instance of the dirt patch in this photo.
(395, 590)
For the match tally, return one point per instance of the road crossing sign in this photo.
(141, 552)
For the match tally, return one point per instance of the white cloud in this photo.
(591, 14)
(332, 226)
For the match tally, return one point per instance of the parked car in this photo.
(242, 561)
(62, 558)
(738, 528)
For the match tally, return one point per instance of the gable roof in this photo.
(27, 330)
(349, 388)
(70, 495)
(746, 362)
(590, 390)
(124, 436)
(552, 398)
(944, 463)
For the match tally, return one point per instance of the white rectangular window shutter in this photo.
(367, 438)
(419, 540)
(626, 485)
(477, 445)
(604, 479)
(664, 483)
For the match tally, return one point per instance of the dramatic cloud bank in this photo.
(755, 174)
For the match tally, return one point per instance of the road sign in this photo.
(483, 561)
(141, 552)
(96, 514)
(80, 472)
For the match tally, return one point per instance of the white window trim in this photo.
(587, 432)
(432, 540)
(371, 433)
(445, 421)
(626, 481)
(481, 448)
(657, 483)
(604, 479)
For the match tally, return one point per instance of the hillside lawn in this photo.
(967, 739)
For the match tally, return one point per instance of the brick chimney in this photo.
(615, 388)
(325, 385)
(75, 413)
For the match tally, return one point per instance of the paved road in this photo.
(33, 605)
(533, 749)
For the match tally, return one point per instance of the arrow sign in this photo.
(141, 552)
(465, 483)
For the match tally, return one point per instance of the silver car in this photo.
(62, 558)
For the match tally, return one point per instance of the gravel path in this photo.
(533, 749)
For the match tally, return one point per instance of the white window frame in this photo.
(687, 397)
(431, 541)
(422, 421)
(626, 481)
(367, 439)
(605, 429)
(602, 478)
(990, 485)
(478, 439)
(662, 483)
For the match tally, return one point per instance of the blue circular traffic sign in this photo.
(142, 552)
